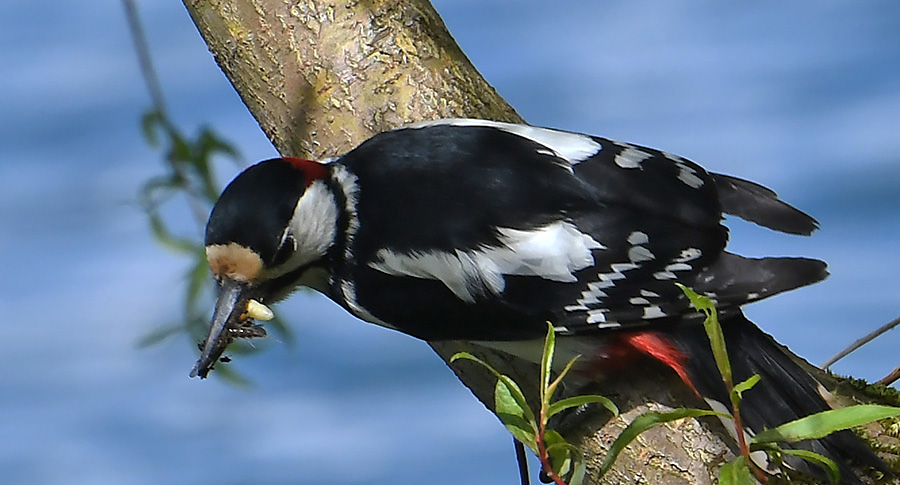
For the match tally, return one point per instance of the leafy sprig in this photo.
(564, 463)
(560, 459)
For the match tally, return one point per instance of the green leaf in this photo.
(505, 401)
(713, 330)
(745, 386)
(468, 356)
(166, 239)
(700, 302)
(830, 467)
(577, 477)
(822, 424)
(518, 396)
(567, 462)
(520, 429)
(551, 389)
(643, 423)
(563, 457)
(510, 385)
(736, 472)
(547, 362)
(155, 190)
(513, 413)
(150, 122)
(576, 401)
(180, 150)
(552, 437)
(207, 145)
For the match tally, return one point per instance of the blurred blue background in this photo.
(802, 97)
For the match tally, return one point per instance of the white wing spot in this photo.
(631, 157)
(686, 173)
(639, 253)
(597, 288)
(638, 300)
(593, 294)
(591, 297)
(688, 254)
(664, 275)
(638, 237)
(649, 294)
(596, 316)
(689, 176)
(621, 267)
(653, 311)
(678, 267)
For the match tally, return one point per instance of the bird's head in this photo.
(269, 233)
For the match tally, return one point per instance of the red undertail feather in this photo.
(656, 346)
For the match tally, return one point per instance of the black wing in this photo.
(510, 226)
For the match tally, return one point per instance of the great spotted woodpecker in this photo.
(485, 231)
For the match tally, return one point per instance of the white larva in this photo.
(258, 311)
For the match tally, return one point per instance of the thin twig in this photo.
(890, 378)
(859, 343)
(143, 53)
(543, 455)
(522, 461)
(151, 79)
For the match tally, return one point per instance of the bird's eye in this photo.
(284, 252)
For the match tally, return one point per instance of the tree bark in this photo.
(322, 76)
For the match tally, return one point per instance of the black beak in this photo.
(229, 321)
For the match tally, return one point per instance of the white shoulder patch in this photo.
(573, 147)
(553, 252)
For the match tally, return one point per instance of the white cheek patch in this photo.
(313, 224)
(553, 252)
(312, 228)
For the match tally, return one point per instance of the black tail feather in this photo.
(785, 392)
(736, 280)
(755, 203)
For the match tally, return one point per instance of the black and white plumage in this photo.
(478, 230)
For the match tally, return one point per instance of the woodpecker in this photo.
(485, 231)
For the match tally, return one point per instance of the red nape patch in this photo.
(656, 346)
(311, 168)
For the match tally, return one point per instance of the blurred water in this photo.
(806, 101)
